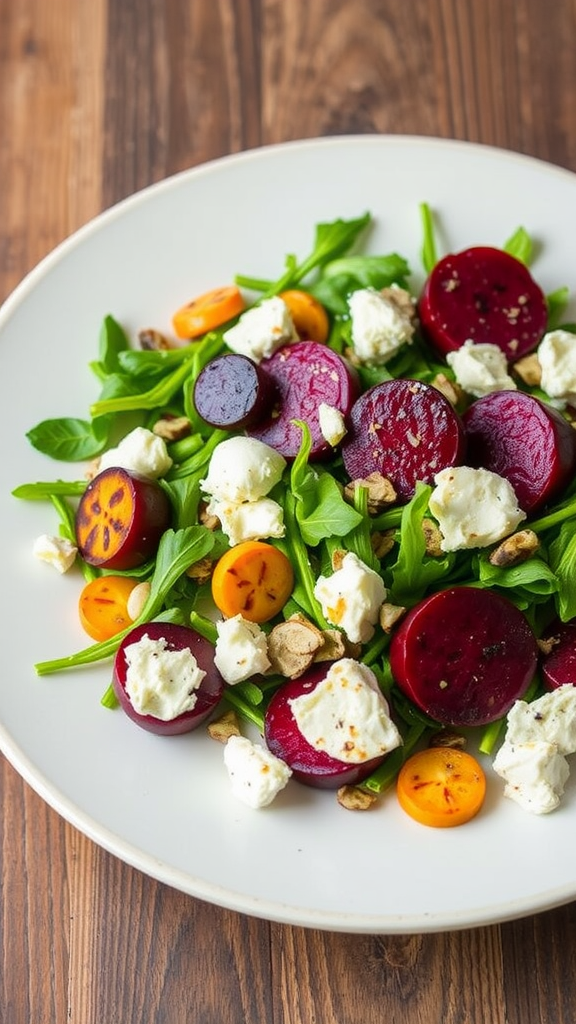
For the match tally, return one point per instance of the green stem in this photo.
(155, 397)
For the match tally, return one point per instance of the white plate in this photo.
(163, 805)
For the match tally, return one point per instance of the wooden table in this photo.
(98, 98)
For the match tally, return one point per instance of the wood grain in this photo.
(99, 98)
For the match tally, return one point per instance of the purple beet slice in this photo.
(284, 739)
(522, 439)
(232, 392)
(463, 656)
(178, 638)
(406, 431)
(305, 374)
(483, 295)
(559, 665)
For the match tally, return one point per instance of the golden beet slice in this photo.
(120, 519)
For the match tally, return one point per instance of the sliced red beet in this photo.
(305, 374)
(483, 295)
(178, 638)
(232, 392)
(559, 666)
(463, 656)
(284, 739)
(522, 439)
(405, 430)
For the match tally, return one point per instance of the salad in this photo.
(326, 485)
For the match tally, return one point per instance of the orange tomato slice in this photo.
(441, 787)
(103, 606)
(252, 579)
(208, 311)
(309, 316)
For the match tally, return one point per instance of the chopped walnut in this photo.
(338, 557)
(172, 428)
(433, 538)
(450, 389)
(381, 493)
(292, 646)
(390, 614)
(201, 571)
(335, 646)
(223, 728)
(446, 738)
(529, 370)
(548, 645)
(207, 519)
(517, 548)
(152, 340)
(382, 543)
(353, 798)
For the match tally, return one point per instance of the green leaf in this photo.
(428, 253)
(332, 239)
(562, 557)
(331, 516)
(69, 439)
(520, 246)
(414, 571)
(112, 342)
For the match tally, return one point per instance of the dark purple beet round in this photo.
(232, 392)
(284, 739)
(178, 638)
(559, 666)
(405, 430)
(522, 439)
(484, 295)
(463, 656)
(305, 374)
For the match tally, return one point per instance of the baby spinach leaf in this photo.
(69, 439)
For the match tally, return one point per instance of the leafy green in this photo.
(414, 571)
(69, 439)
(320, 508)
(429, 254)
(562, 555)
(520, 246)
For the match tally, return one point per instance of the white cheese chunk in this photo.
(159, 681)
(262, 329)
(480, 368)
(141, 451)
(557, 357)
(379, 327)
(346, 715)
(59, 552)
(551, 717)
(241, 649)
(256, 775)
(351, 598)
(243, 469)
(332, 425)
(535, 774)
(474, 507)
(249, 520)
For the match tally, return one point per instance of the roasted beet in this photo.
(522, 439)
(311, 766)
(464, 656)
(177, 638)
(305, 374)
(120, 519)
(483, 295)
(406, 431)
(559, 664)
(232, 392)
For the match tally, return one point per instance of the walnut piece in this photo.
(201, 571)
(390, 614)
(335, 646)
(353, 798)
(223, 728)
(381, 492)
(172, 428)
(292, 646)
(529, 370)
(433, 538)
(450, 389)
(403, 301)
(152, 340)
(446, 738)
(382, 543)
(517, 548)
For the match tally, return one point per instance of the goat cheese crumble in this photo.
(262, 329)
(473, 507)
(346, 715)
(243, 469)
(480, 368)
(557, 357)
(159, 681)
(241, 649)
(141, 451)
(351, 598)
(379, 326)
(256, 775)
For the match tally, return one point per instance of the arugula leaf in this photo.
(562, 558)
(520, 246)
(321, 510)
(332, 239)
(414, 571)
(69, 439)
(429, 254)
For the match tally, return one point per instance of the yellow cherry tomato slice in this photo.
(103, 606)
(441, 787)
(309, 316)
(252, 579)
(208, 311)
